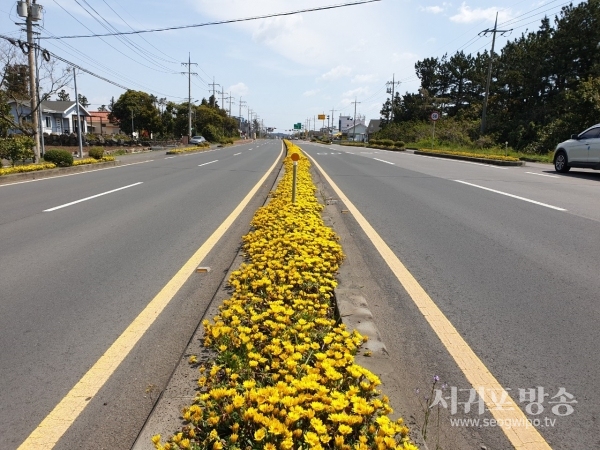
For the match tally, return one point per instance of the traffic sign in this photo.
(435, 116)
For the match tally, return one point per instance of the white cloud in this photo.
(336, 73)
(238, 89)
(433, 9)
(356, 92)
(468, 15)
(271, 31)
(311, 93)
(367, 78)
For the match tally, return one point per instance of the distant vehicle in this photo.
(197, 140)
(582, 150)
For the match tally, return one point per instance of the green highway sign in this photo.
(297, 126)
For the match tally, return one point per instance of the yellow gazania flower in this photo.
(259, 434)
(311, 438)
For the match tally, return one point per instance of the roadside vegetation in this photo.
(17, 149)
(541, 92)
(284, 374)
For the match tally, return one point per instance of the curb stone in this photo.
(495, 162)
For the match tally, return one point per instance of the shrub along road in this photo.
(508, 255)
(73, 278)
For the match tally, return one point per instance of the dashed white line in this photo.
(235, 154)
(542, 175)
(513, 196)
(93, 196)
(382, 160)
(205, 164)
(169, 157)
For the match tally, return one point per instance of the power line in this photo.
(142, 37)
(222, 22)
(124, 39)
(103, 40)
(72, 64)
(101, 66)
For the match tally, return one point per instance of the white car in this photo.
(197, 140)
(582, 150)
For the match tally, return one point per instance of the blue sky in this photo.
(286, 69)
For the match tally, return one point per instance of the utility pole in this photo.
(332, 116)
(354, 128)
(230, 98)
(242, 103)
(222, 100)
(489, 74)
(33, 14)
(391, 90)
(249, 124)
(213, 84)
(39, 101)
(190, 73)
(78, 116)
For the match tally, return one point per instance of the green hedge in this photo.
(61, 158)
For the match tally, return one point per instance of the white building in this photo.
(346, 122)
(58, 117)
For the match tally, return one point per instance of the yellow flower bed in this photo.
(44, 166)
(81, 162)
(176, 151)
(26, 168)
(284, 376)
(471, 155)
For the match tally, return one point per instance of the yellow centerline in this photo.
(51, 429)
(514, 423)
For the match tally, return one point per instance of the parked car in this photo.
(197, 140)
(582, 150)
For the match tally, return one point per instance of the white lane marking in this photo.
(169, 157)
(542, 175)
(463, 162)
(382, 160)
(200, 165)
(93, 196)
(513, 196)
(78, 173)
(250, 148)
(235, 154)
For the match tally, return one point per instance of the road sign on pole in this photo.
(435, 116)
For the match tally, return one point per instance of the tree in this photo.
(83, 101)
(13, 78)
(102, 108)
(137, 107)
(63, 96)
(16, 81)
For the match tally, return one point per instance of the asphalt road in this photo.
(82, 255)
(511, 259)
